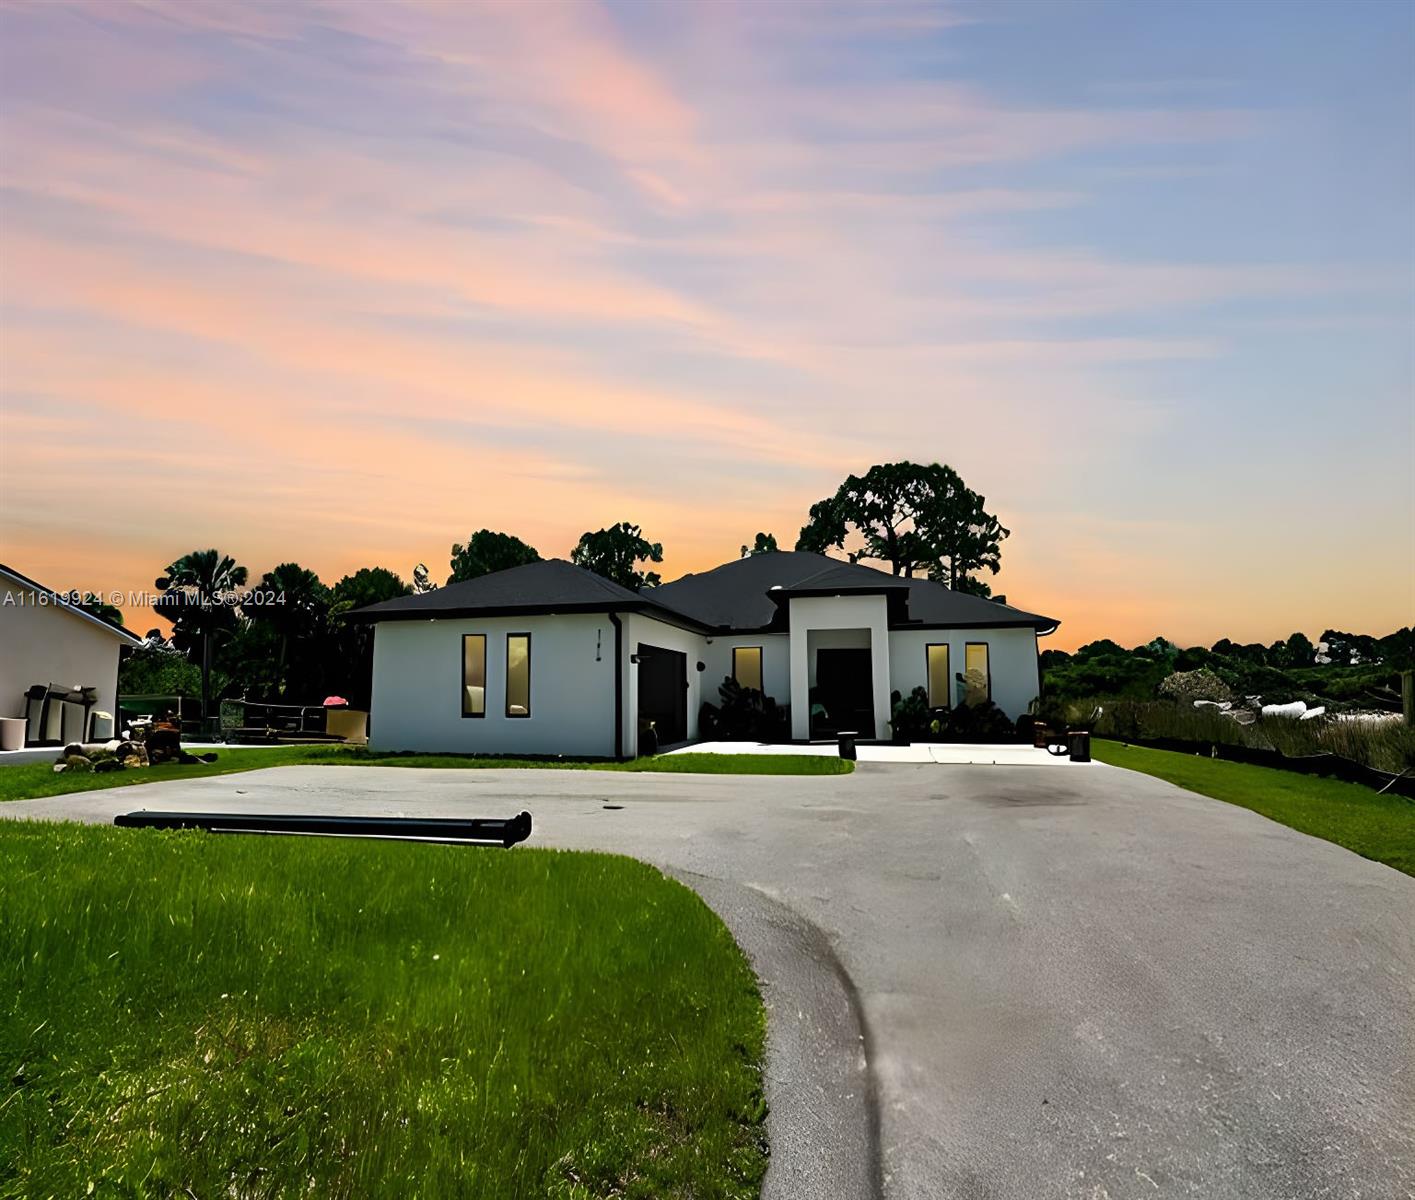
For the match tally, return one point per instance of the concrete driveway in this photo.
(1001, 982)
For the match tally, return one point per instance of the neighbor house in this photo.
(549, 658)
(58, 664)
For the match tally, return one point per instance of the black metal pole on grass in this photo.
(475, 831)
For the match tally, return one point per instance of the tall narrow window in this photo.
(747, 666)
(940, 686)
(518, 674)
(474, 675)
(977, 677)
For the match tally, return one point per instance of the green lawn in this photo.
(183, 1014)
(29, 780)
(1374, 826)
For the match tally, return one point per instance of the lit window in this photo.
(747, 666)
(518, 674)
(474, 675)
(940, 685)
(977, 679)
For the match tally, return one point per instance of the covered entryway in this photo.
(839, 665)
(663, 692)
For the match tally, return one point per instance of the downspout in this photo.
(618, 686)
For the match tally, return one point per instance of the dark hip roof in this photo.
(539, 588)
(744, 595)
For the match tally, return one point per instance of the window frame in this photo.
(506, 681)
(761, 667)
(987, 675)
(947, 649)
(465, 714)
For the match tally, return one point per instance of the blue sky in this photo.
(1141, 272)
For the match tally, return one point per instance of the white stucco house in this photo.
(58, 664)
(549, 658)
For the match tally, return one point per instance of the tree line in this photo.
(1341, 668)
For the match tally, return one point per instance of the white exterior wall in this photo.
(417, 687)
(639, 629)
(45, 643)
(1012, 662)
(838, 612)
(776, 663)
(417, 673)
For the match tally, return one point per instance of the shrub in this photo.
(910, 717)
(980, 722)
(1202, 684)
(745, 714)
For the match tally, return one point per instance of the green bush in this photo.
(980, 722)
(1202, 684)
(912, 718)
(745, 714)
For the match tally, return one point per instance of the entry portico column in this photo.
(879, 675)
(800, 682)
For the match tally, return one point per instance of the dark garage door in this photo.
(663, 692)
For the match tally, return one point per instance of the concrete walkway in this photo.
(1078, 983)
(953, 753)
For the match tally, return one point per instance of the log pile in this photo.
(125, 754)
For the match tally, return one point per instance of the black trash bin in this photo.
(1078, 742)
(845, 739)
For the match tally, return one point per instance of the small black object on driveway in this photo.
(845, 739)
(457, 831)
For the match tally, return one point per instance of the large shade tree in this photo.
(487, 551)
(353, 640)
(616, 553)
(199, 595)
(763, 543)
(915, 518)
(95, 605)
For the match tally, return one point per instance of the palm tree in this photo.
(296, 610)
(199, 594)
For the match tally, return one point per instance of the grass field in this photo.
(30, 780)
(192, 1015)
(1374, 826)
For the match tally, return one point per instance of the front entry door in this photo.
(845, 689)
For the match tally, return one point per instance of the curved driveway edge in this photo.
(822, 1118)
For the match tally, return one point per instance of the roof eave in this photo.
(123, 635)
(372, 616)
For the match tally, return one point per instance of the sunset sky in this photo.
(340, 283)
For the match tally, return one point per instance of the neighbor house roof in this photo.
(742, 595)
(57, 601)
